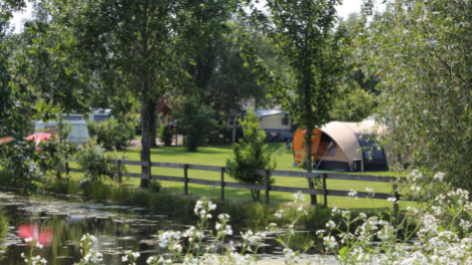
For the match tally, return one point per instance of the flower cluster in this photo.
(90, 255)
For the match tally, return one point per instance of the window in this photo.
(285, 119)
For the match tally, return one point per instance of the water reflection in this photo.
(59, 224)
(41, 235)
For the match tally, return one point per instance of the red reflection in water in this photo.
(43, 236)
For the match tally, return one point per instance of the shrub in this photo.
(3, 226)
(250, 155)
(155, 185)
(112, 134)
(55, 152)
(166, 134)
(135, 119)
(93, 160)
(194, 122)
(62, 186)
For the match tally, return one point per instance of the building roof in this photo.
(54, 123)
(268, 112)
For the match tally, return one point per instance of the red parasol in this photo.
(39, 137)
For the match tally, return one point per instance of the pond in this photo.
(59, 223)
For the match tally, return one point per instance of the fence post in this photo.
(185, 179)
(311, 186)
(397, 197)
(118, 166)
(267, 186)
(325, 193)
(149, 172)
(222, 183)
(67, 168)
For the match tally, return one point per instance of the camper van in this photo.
(100, 115)
(78, 134)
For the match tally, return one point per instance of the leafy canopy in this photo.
(423, 54)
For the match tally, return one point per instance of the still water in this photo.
(59, 223)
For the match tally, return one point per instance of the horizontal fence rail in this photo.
(266, 186)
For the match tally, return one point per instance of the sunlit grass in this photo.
(217, 156)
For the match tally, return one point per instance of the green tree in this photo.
(60, 81)
(250, 154)
(16, 107)
(229, 82)
(194, 121)
(140, 42)
(166, 135)
(422, 52)
(355, 106)
(316, 49)
(94, 161)
(112, 133)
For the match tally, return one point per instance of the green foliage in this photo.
(93, 160)
(355, 106)
(316, 49)
(150, 41)
(421, 52)
(250, 155)
(111, 133)
(155, 185)
(3, 225)
(194, 122)
(58, 79)
(166, 134)
(17, 108)
(135, 119)
(61, 186)
(55, 152)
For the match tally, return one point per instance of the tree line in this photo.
(408, 65)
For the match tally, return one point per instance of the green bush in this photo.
(155, 185)
(61, 186)
(194, 122)
(3, 225)
(250, 155)
(112, 134)
(166, 135)
(93, 160)
(55, 152)
(135, 119)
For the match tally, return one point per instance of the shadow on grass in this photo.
(240, 195)
(207, 150)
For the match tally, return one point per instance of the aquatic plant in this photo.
(33, 260)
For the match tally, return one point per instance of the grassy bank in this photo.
(217, 156)
(249, 214)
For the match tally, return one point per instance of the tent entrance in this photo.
(330, 159)
(374, 156)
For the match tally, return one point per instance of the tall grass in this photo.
(3, 225)
(252, 215)
(61, 186)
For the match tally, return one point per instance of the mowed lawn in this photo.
(217, 156)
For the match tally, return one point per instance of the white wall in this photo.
(275, 122)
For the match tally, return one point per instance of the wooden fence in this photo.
(266, 187)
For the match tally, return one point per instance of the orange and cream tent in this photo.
(351, 142)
